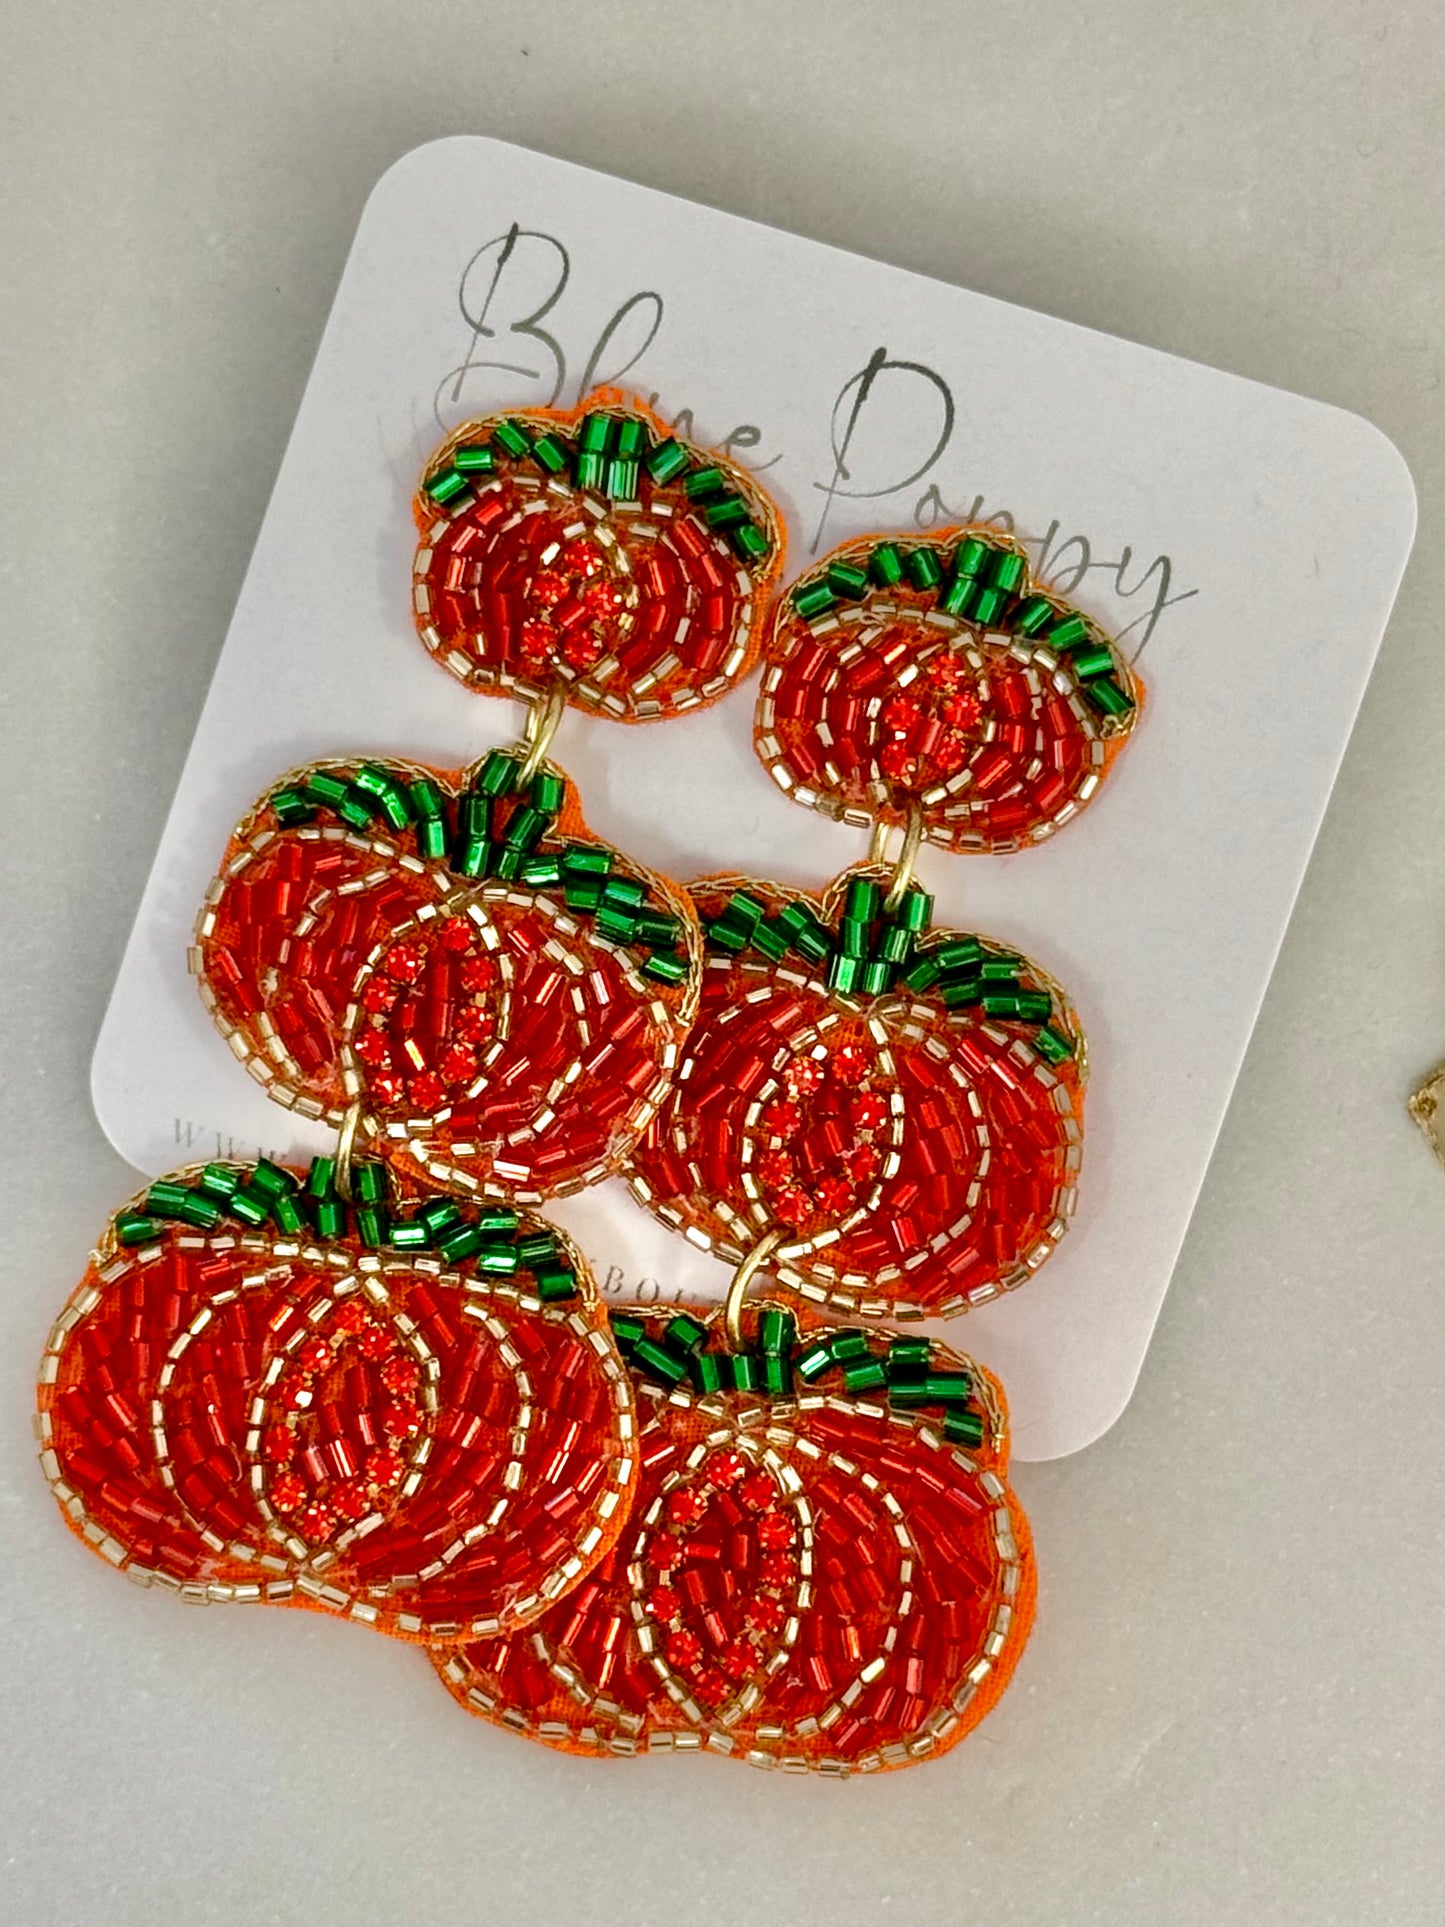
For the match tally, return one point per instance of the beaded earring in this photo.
(385, 1388)
(343, 1389)
(896, 1110)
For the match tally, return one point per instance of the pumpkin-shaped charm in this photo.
(902, 1106)
(413, 1418)
(595, 552)
(824, 1567)
(498, 997)
(937, 678)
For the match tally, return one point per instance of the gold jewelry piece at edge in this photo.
(738, 1289)
(345, 1149)
(1427, 1107)
(907, 855)
(539, 729)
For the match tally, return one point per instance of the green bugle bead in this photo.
(813, 599)
(512, 437)
(135, 1228)
(368, 1182)
(847, 579)
(446, 486)
(925, 571)
(885, 565)
(666, 462)
(964, 1428)
(659, 1360)
(475, 459)
(750, 541)
(665, 969)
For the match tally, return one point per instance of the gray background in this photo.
(1231, 1711)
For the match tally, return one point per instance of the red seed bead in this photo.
(600, 598)
(775, 1168)
(474, 1024)
(373, 1049)
(851, 1064)
(868, 1111)
(902, 712)
(774, 1532)
(783, 1119)
(686, 1506)
(316, 1521)
(684, 1649)
(400, 1421)
(387, 1088)
(375, 1341)
(666, 1551)
(725, 1468)
(548, 589)
(804, 1076)
(349, 1317)
(427, 1091)
(711, 1688)
(961, 708)
(384, 1468)
(351, 1502)
(296, 1394)
(581, 649)
(739, 1659)
(765, 1614)
(316, 1355)
(458, 1065)
(457, 933)
(663, 1603)
(378, 997)
(895, 762)
(582, 558)
(777, 1569)
(792, 1204)
(835, 1197)
(287, 1491)
(758, 1491)
(278, 1444)
(478, 973)
(401, 1374)
(862, 1164)
(537, 639)
(402, 963)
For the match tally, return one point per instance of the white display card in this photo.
(1244, 543)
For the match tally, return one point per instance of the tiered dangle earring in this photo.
(385, 1387)
(825, 1568)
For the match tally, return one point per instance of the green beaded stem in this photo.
(489, 1238)
(495, 831)
(605, 454)
(985, 581)
(903, 1374)
(871, 953)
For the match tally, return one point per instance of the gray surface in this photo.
(1231, 1711)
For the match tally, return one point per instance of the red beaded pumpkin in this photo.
(937, 677)
(902, 1107)
(501, 995)
(824, 1567)
(237, 1405)
(594, 551)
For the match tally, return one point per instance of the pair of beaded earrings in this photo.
(386, 1387)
